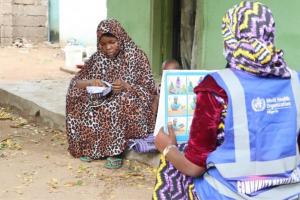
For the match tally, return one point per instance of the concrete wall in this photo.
(5, 21)
(142, 19)
(135, 17)
(78, 19)
(23, 19)
(286, 14)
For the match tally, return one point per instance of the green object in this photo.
(287, 36)
(137, 23)
(149, 23)
(86, 159)
(79, 183)
(113, 163)
(53, 11)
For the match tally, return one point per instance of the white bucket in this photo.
(73, 55)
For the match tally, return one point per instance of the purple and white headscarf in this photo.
(248, 30)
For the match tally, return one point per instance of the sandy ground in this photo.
(39, 62)
(35, 164)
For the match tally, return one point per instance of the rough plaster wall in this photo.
(23, 19)
(6, 25)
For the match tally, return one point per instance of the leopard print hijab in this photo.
(126, 66)
(113, 27)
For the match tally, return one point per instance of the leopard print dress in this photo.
(103, 127)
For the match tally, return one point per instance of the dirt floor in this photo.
(39, 62)
(35, 164)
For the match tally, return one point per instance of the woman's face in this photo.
(109, 45)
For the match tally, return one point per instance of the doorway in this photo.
(183, 32)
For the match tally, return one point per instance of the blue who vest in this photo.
(259, 158)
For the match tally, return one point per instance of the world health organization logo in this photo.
(258, 104)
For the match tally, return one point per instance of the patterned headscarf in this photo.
(248, 30)
(113, 27)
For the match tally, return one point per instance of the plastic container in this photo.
(73, 55)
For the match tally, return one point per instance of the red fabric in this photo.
(203, 134)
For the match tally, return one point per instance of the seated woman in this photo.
(175, 105)
(102, 129)
(243, 139)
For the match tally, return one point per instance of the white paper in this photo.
(160, 117)
(102, 90)
(95, 89)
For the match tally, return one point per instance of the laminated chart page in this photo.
(177, 101)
